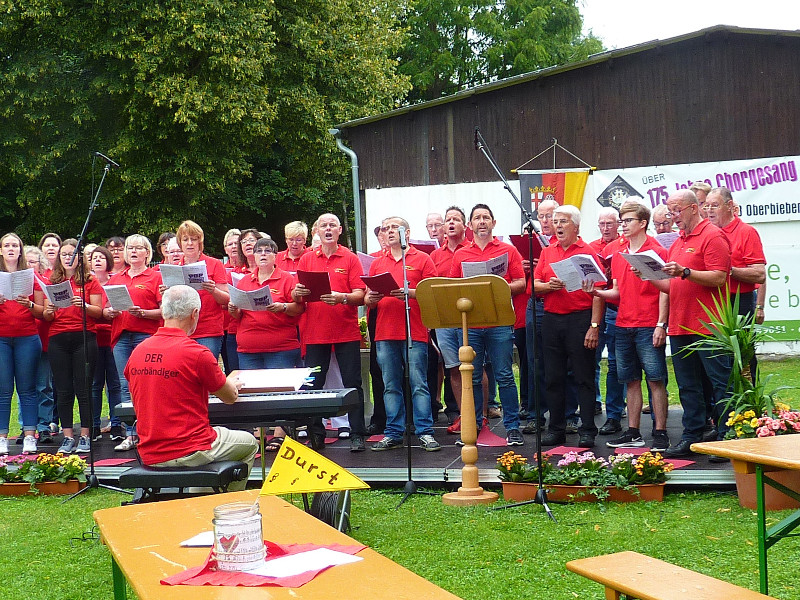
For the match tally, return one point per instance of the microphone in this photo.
(537, 229)
(403, 241)
(111, 163)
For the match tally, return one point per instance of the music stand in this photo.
(480, 301)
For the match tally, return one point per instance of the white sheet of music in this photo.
(648, 263)
(118, 297)
(16, 283)
(193, 274)
(574, 269)
(494, 266)
(254, 380)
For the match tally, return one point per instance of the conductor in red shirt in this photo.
(170, 376)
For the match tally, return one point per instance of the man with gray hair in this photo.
(170, 376)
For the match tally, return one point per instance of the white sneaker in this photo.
(126, 445)
(29, 445)
(3, 445)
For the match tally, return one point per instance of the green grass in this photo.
(475, 553)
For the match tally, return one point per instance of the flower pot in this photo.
(773, 499)
(47, 488)
(519, 492)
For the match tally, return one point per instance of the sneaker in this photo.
(429, 443)
(3, 445)
(126, 445)
(455, 427)
(387, 443)
(524, 415)
(116, 433)
(624, 413)
(83, 445)
(660, 442)
(29, 445)
(357, 443)
(534, 425)
(374, 429)
(626, 440)
(572, 426)
(514, 438)
(67, 446)
(53, 428)
(45, 437)
(460, 442)
(494, 412)
(344, 433)
(97, 435)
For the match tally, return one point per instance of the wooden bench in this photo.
(645, 578)
(149, 481)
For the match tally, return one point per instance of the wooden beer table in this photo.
(760, 456)
(144, 541)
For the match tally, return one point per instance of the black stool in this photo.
(149, 481)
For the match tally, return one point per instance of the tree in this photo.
(454, 44)
(217, 110)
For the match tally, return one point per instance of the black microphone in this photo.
(537, 229)
(402, 233)
(477, 141)
(111, 163)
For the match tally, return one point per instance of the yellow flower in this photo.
(754, 423)
(749, 414)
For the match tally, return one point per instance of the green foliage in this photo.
(455, 44)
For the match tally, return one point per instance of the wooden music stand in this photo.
(481, 301)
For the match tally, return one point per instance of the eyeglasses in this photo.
(708, 206)
(608, 223)
(628, 221)
(249, 240)
(673, 213)
(66, 255)
(264, 251)
(434, 226)
(114, 248)
(562, 222)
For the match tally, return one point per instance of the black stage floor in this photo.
(440, 469)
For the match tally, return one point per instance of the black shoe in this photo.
(357, 443)
(713, 458)
(682, 448)
(116, 433)
(533, 425)
(610, 426)
(553, 439)
(45, 437)
(586, 441)
(710, 435)
(96, 434)
(514, 438)
(524, 415)
(598, 409)
(20, 439)
(660, 442)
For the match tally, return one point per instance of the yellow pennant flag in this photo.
(297, 469)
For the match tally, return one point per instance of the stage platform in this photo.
(440, 469)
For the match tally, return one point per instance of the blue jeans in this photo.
(44, 393)
(689, 367)
(615, 391)
(105, 375)
(213, 343)
(230, 354)
(123, 349)
(636, 353)
(392, 359)
(19, 357)
(497, 343)
(283, 359)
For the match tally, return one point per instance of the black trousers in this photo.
(378, 417)
(69, 378)
(348, 355)
(562, 340)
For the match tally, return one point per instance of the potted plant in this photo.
(41, 474)
(584, 477)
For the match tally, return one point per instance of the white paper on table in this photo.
(193, 274)
(256, 300)
(118, 297)
(16, 283)
(494, 266)
(296, 564)
(574, 269)
(204, 539)
(59, 294)
(648, 263)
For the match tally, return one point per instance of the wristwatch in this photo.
(662, 325)
(344, 299)
(595, 325)
(686, 272)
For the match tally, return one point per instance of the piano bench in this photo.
(149, 481)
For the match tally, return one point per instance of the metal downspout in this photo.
(336, 133)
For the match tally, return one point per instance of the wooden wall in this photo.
(720, 95)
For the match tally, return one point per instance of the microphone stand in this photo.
(410, 488)
(541, 493)
(92, 482)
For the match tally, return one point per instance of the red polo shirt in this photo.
(16, 319)
(746, 250)
(170, 377)
(265, 331)
(561, 301)
(326, 324)
(286, 263)
(442, 258)
(71, 318)
(705, 249)
(391, 322)
(638, 299)
(143, 289)
(212, 319)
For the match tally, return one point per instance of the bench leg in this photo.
(612, 594)
(120, 585)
